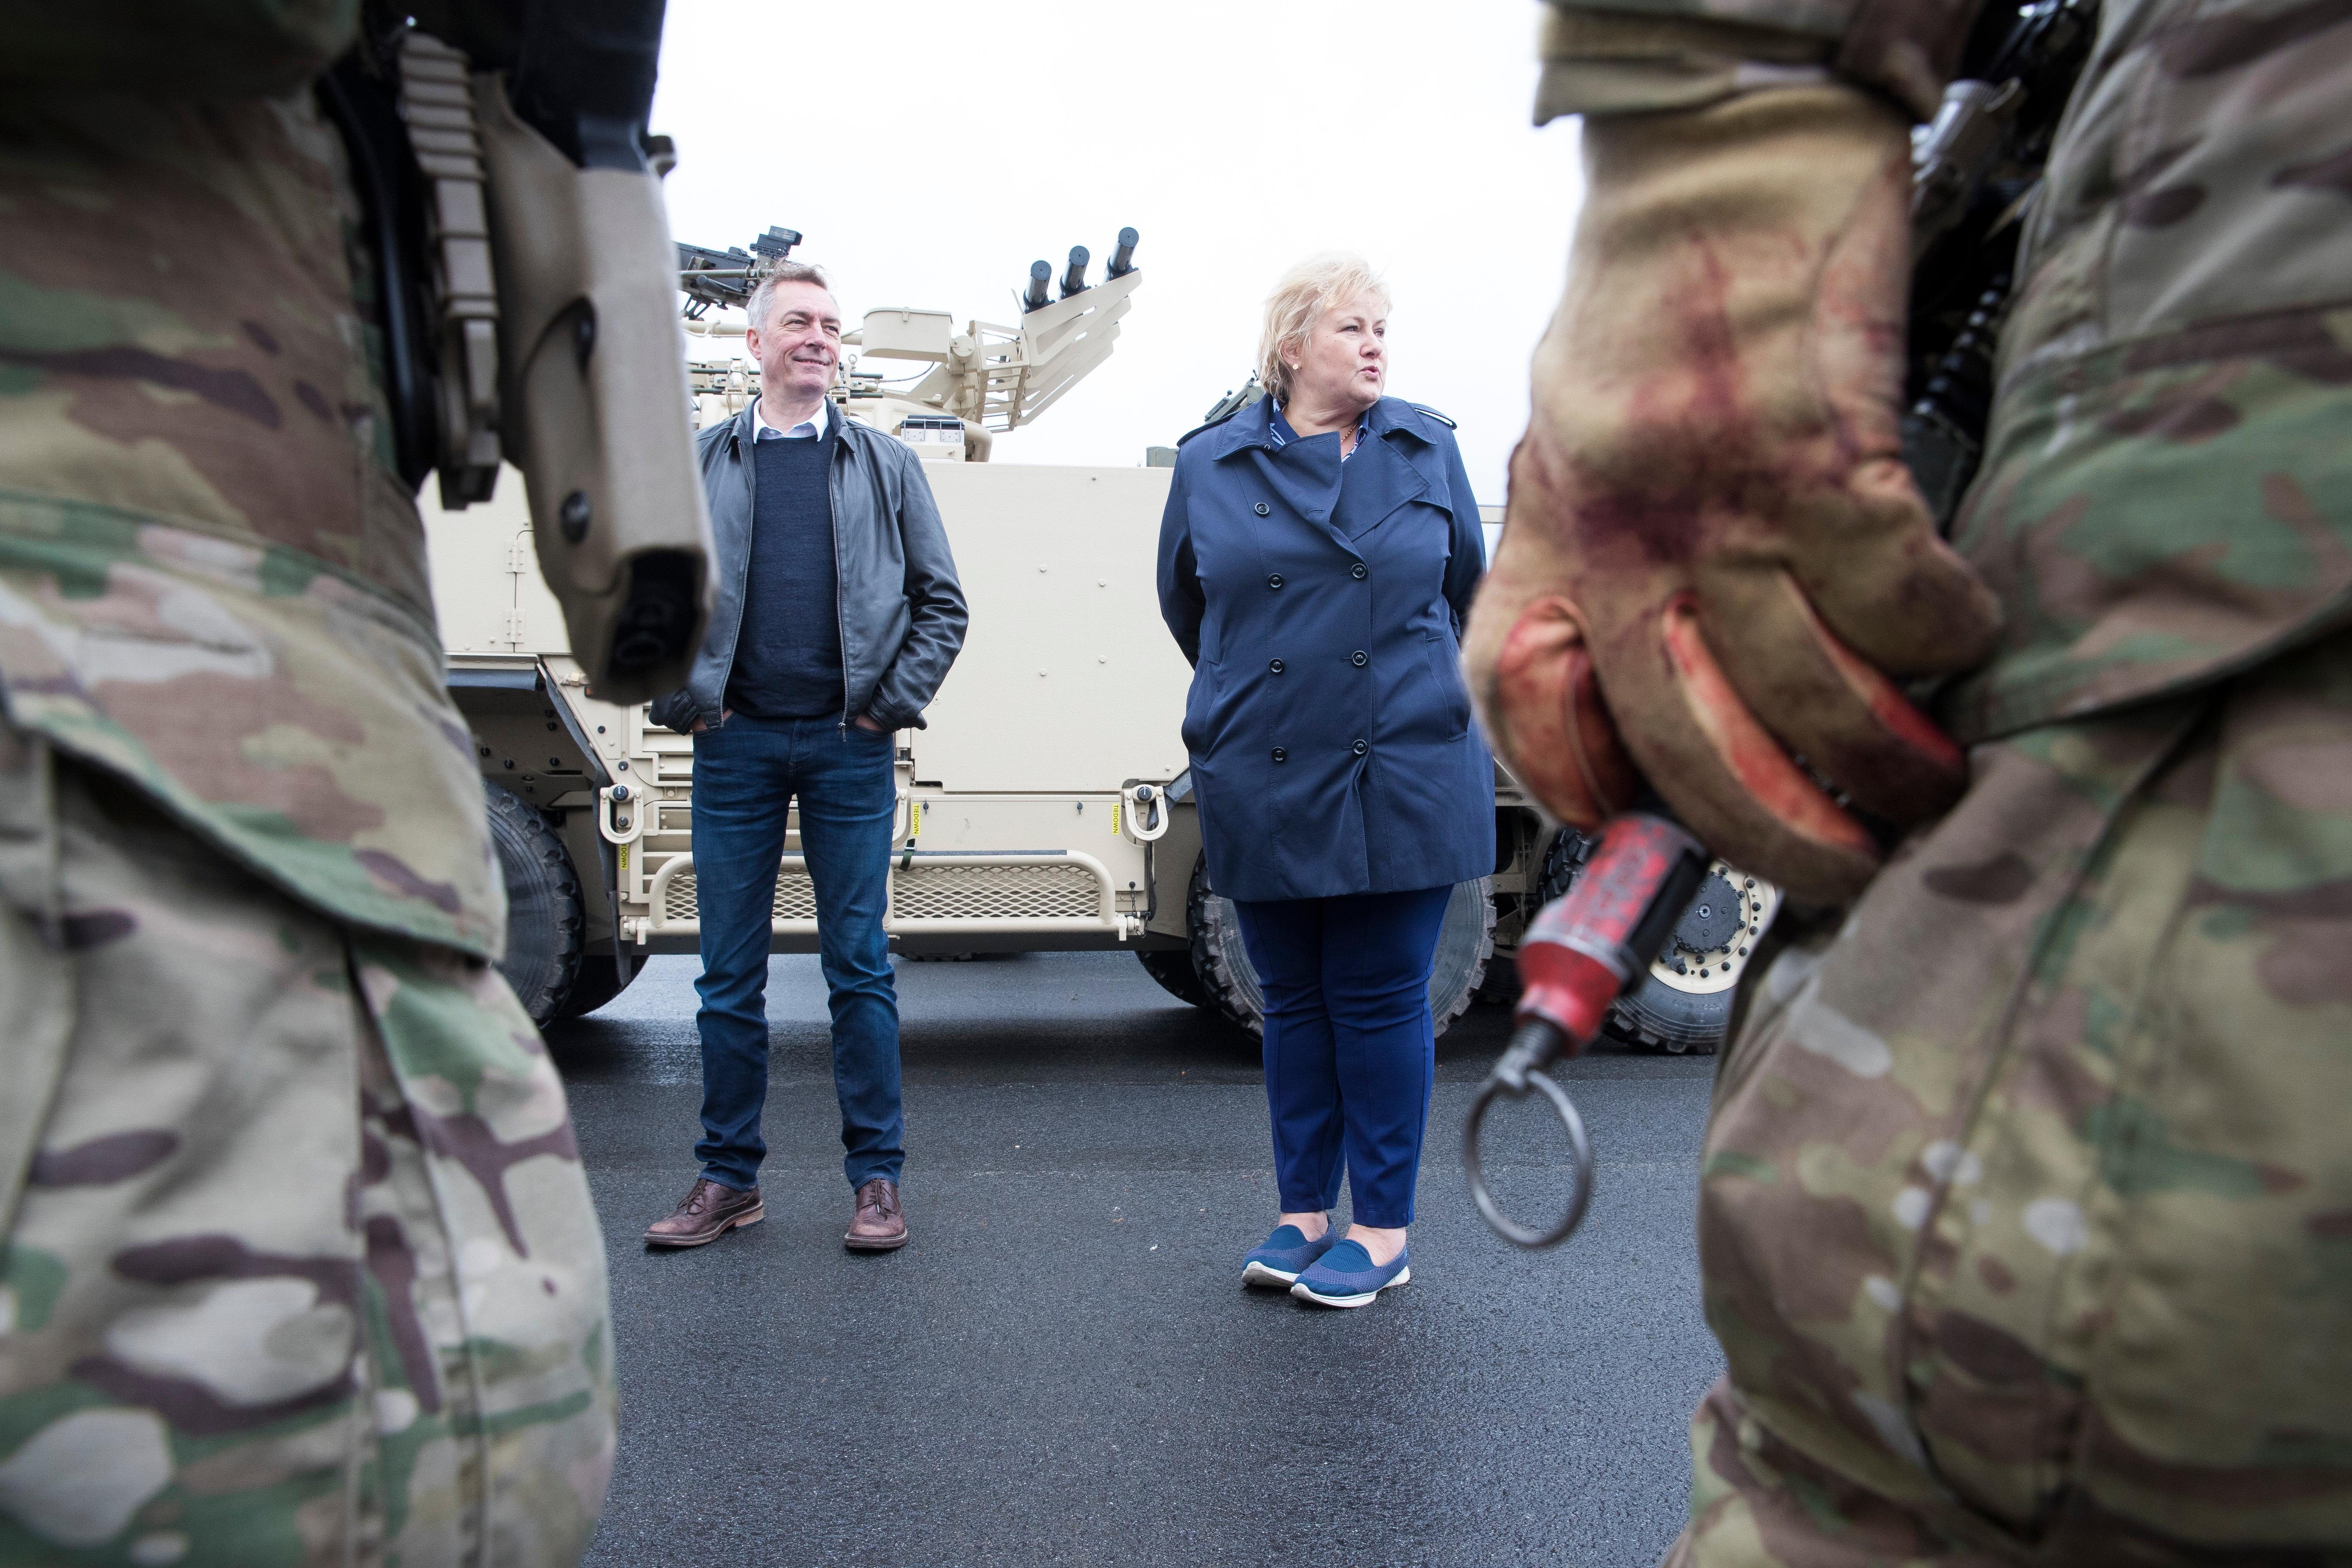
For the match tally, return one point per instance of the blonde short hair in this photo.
(1299, 301)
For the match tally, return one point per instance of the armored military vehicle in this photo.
(1044, 806)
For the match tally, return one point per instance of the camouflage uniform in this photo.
(297, 1259)
(2026, 1219)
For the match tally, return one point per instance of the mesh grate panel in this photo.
(995, 892)
(795, 898)
(937, 893)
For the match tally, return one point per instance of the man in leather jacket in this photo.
(836, 617)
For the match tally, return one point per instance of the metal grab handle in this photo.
(1520, 1070)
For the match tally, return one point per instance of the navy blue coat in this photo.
(1321, 604)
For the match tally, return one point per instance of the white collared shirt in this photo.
(813, 426)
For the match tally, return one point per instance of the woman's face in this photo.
(1344, 361)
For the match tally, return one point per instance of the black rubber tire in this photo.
(1500, 986)
(1465, 944)
(1172, 967)
(1562, 860)
(543, 917)
(598, 982)
(1657, 1017)
(1222, 964)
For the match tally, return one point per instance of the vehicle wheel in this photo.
(1222, 964)
(598, 982)
(1465, 943)
(1561, 862)
(1686, 1002)
(543, 918)
(1173, 969)
(1500, 986)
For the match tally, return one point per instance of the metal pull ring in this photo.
(1514, 1079)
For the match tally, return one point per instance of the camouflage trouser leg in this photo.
(297, 1264)
(1755, 1501)
(2026, 1217)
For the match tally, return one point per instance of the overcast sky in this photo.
(930, 150)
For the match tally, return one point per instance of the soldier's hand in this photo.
(1713, 548)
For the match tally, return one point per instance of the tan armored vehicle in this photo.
(1045, 804)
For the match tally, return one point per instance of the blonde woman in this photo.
(1317, 559)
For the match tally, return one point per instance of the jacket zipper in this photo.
(743, 573)
(840, 620)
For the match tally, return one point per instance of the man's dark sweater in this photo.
(788, 654)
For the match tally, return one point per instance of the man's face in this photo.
(798, 347)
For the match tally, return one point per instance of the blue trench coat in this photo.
(1321, 604)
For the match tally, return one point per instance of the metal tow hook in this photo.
(1583, 949)
(612, 801)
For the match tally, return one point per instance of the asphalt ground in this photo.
(1061, 1366)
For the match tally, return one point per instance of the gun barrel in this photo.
(721, 277)
(1040, 273)
(1074, 281)
(1122, 260)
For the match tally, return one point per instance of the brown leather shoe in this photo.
(881, 1223)
(709, 1212)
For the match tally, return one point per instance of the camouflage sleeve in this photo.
(176, 49)
(1682, 54)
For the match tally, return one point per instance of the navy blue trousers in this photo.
(746, 773)
(1349, 1048)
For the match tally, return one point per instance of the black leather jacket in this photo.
(902, 610)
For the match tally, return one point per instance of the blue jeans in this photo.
(1350, 1050)
(746, 773)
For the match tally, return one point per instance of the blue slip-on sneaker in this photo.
(1277, 1261)
(1347, 1277)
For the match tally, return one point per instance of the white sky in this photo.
(930, 150)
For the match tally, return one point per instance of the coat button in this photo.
(1360, 748)
(1260, 509)
(1358, 658)
(1358, 572)
(1280, 755)
(1274, 580)
(1275, 665)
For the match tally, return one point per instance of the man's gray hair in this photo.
(786, 272)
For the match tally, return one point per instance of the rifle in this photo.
(523, 293)
(1976, 169)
